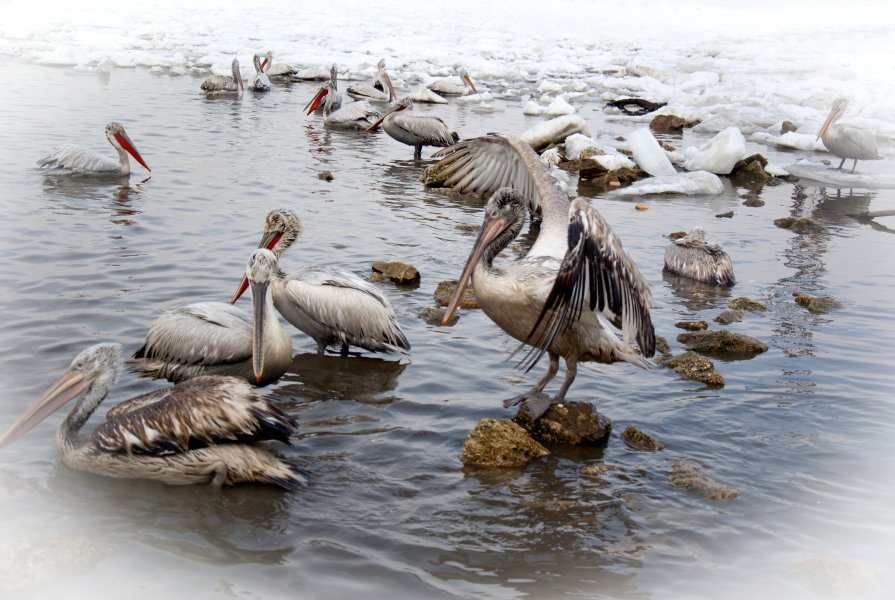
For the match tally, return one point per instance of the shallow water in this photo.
(803, 432)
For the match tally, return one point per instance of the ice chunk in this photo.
(554, 131)
(719, 154)
(648, 153)
(532, 108)
(575, 145)
(824, 173)
(693, 183)
(559, 106)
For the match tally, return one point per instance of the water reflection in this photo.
(696, 295)
(366, 379)
(118, 197)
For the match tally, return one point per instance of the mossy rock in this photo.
(743, 303)
(638, 440)
(395, 271)
(572, 422)
(445, 290)
(731, 315)
(692, 325)
(801, 225)
(817, 304)
(694, 366)
(500, 443)
(723, 344)
(688, 475)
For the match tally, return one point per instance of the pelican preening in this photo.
(205, 430)
(354, 115)
(332, 89)
(75, 160)
(261, 82)
(335, 308)
(365, 91)
(416, 131)
(453, 86)
(695, 257)
(847, 141)
(214, 338)
(218, 85)
(576, 269)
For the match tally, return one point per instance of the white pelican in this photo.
(205, 430)
(454, 86)
(335, 308)
(847, 141)
(695, 257)
(416, 131)
(214, 338)
(332, 88)
(75, 160)
(276, 71)
(354, 115)
(365, 91)
(218, 85)
(576, 269)
(261, 82)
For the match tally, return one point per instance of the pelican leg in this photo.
(417, 152)
(841, 162)
(571, 373)
(534, 400)
(344, 350)
(321, 347)
(854, 164)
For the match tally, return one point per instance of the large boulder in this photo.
(500, 443)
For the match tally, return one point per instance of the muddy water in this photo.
(803, 432)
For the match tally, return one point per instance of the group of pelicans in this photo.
(207, 428)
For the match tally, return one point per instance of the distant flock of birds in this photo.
(209, 426)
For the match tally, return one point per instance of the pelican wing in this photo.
(849, 141)
(365, 91)
(220, 83)
(411, 129)
(78, 159)
(450, 86)
(196, 413)
(351, 112)
(136, 403)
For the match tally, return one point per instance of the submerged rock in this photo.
(433, 316)
(662, 346)
(445, 290)
(500, 443)
(395, 271)
(725, 215)
(743, 303)
(723, 344)
(817, 304)
(325, 175)
(801, 225)
(572, 422)
(639, 440)
(688, 475)
(692, 325)
(752, 200)
(669, 124)
(731, 315)
(694, 366)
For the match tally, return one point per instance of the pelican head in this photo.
(505, 215)
(402, 104)
(237, 75)
(260, 271)
(118, 137)
(464, 76)
(696, 238)
(97, 366)
(839, 106)
(281, 228)
(317, 99)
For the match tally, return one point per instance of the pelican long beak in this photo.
(376, 125)
(388, 84)
(71, 385)
(468, 80)
(834, 114)
(489, 232)
(259, 300)
(263, 64)
(128, 145)
(316, 100)
(268, 240)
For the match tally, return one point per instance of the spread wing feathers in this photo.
(204, 333)
(595, 271)
(353, 111)
(200, 412)
(413, 129)
(77, 159)
(365, 91)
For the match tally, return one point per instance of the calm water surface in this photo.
(804, 431)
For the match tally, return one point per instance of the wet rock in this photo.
(750, 170)
(572, 422)
(662, 345)
(817, 304)
(325, 175)
(723, 344)
(395, 271)
(433, 316)
(635, 106)
(500, 443)
(599, 469)
(638, 440)
(694, 366)
(725, 215)
(688, 475)
(731, 315)
(787, 126)
(801, 225)
(692, 325)
(668, 124)
(743, 303)
(752, 200)
(617, 178)
(445, 290)
(677, 235)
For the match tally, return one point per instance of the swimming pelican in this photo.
(354, 115)
(576, 269)
(413, 130)
(335, 308)
(452, 86)
(276, 71)
(333, 89)
(694, 257)
(75, 160)
(205, 430)
(218, 85)
(365, 91)
(847, 141)
(214, 338)
(261, 82)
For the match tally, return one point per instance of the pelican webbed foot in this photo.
(535, 403)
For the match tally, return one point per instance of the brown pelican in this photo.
(276, 71)
(335, 308)
(354, 115)
(413, 130)
(75, 160)
(218, 85)
(365, 91)
(576, 270)
(453, 86)
(331, 89)
(214, 338)
(847, 141)
(261, 82)
(694, 257)
(205, 430)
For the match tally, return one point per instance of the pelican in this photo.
(413, 130)
(333, 90)
(75, 160)
(218, 85)
(365, 91)
(576, 270)
(276, 71)
(354, 115)
(335, 308)
(205, 430)
(214, 338)
(452, 86)
(261, 82)
(847, 141)
(694, 257)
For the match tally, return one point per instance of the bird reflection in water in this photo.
(696, 295)
(119, 197)
(314, 376)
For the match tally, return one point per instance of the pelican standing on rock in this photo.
(214, 338)
(335, 308)
(847, 141)
(75, 160)
(695, 257)
(452, 86)
(205, 430)
(576, 270)
(218, 85)
(416, 131)
(365, 91)
(354, 115)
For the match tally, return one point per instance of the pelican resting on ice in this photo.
(335, 308)
(205, 430)
(261, 82)
(332, 89)
(695, 257)
(453, 86)
(354, 115)
(365, 91)
(75, 160)
(215, 338)
(413, 130)
(576, 270)
(218, 85)
(847, 141)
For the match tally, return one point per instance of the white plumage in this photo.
(847, 141)
(76, 160)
